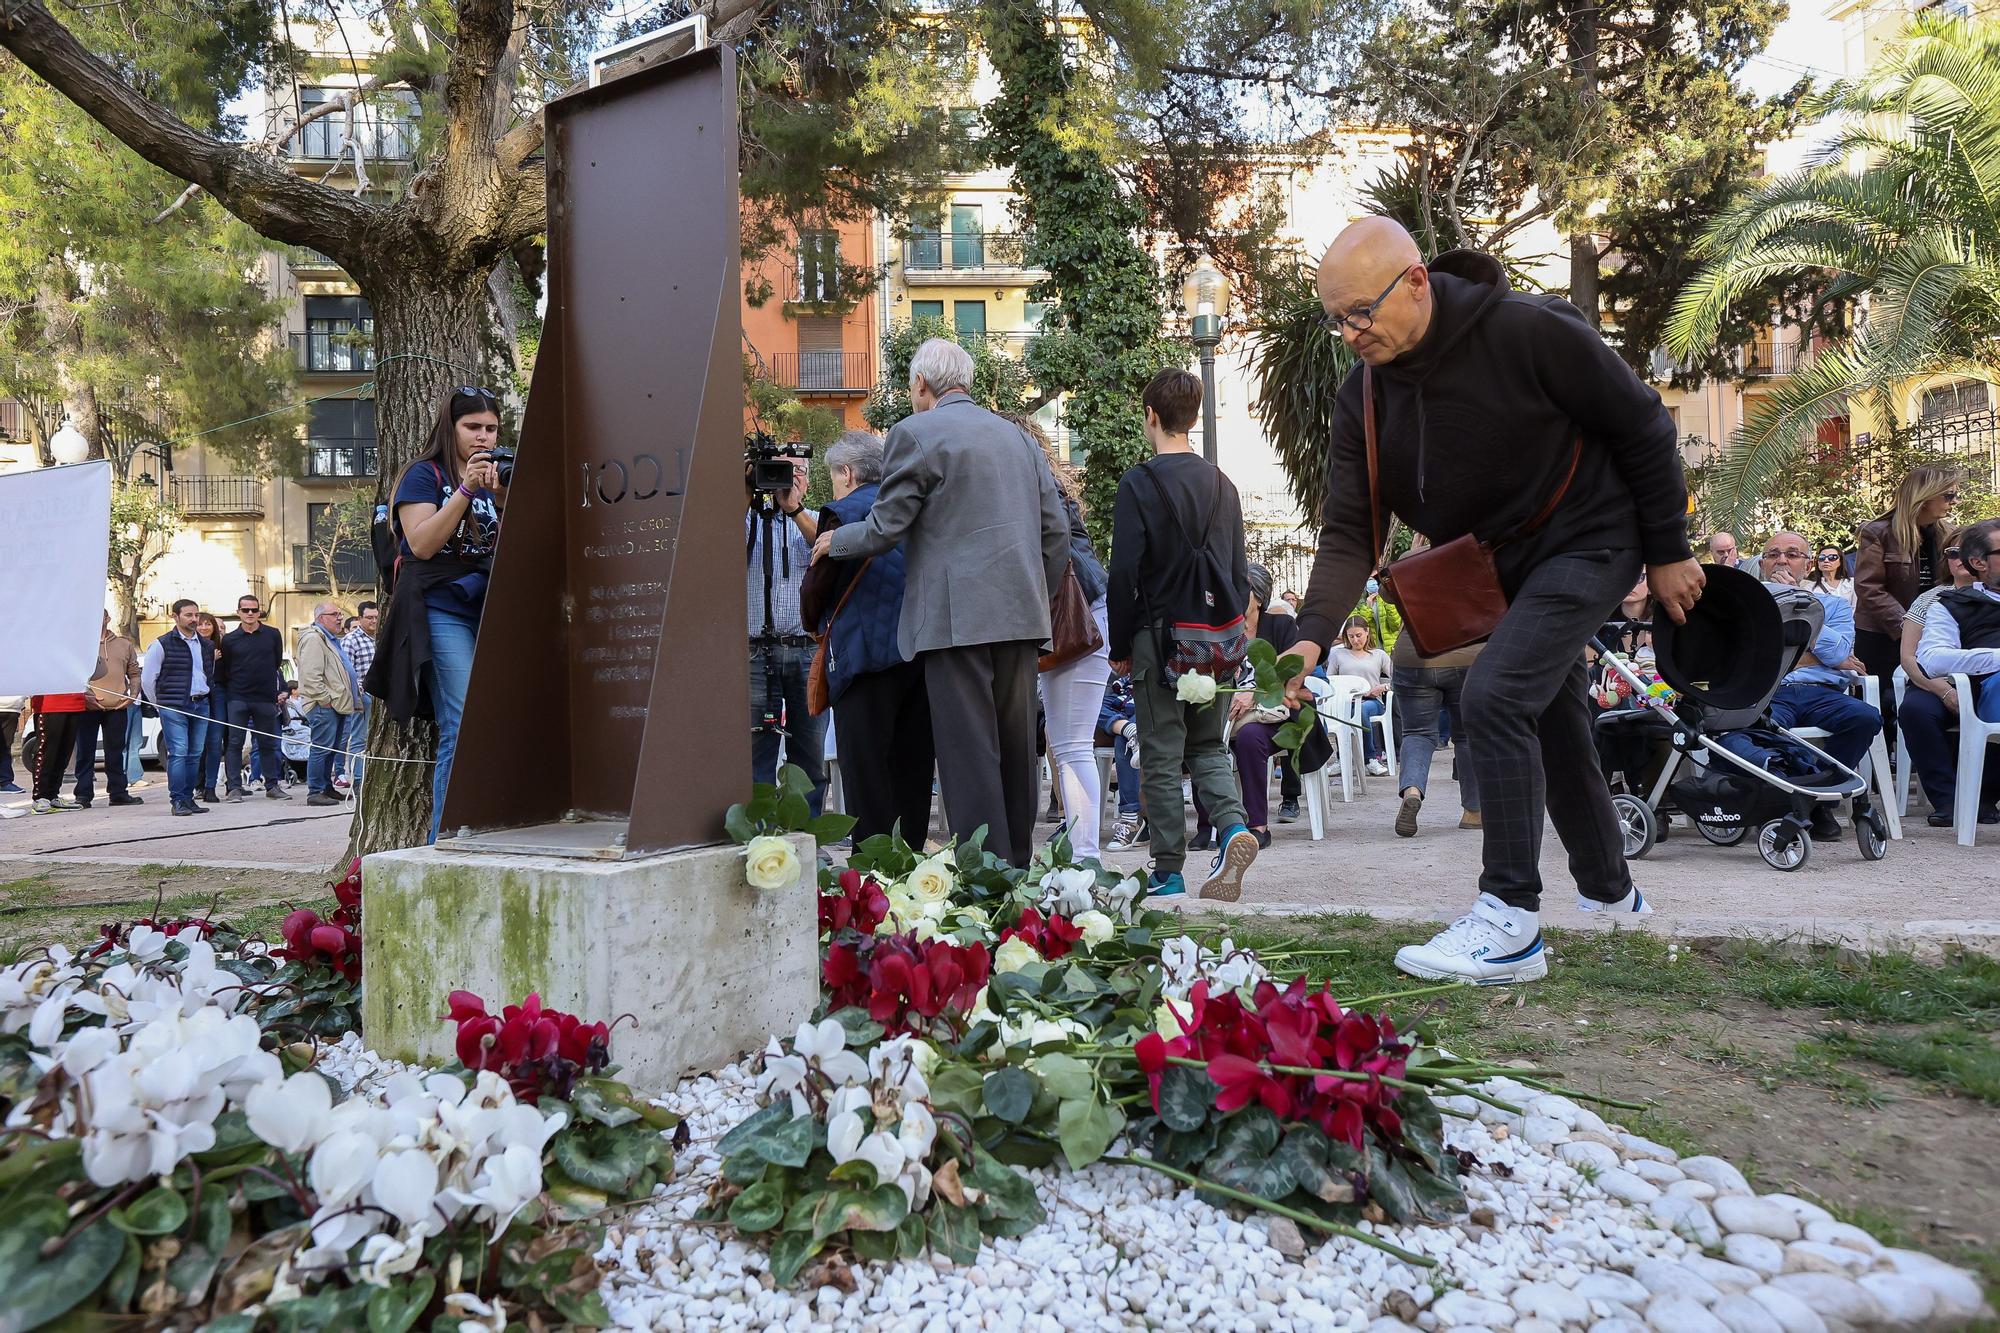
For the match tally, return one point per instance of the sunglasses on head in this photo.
(474, 391)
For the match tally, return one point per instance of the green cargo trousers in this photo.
(1172, 733)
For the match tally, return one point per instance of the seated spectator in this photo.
(1252, 729)
(1630, 632)
(1815, 693)
(1384, 621)
(1356, 655)
(1929, 707)
(1962, 635)
(1118, 726)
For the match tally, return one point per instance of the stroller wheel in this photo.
(1784, 845)
(1871, 836)
(1725, 837)
(1637, 823)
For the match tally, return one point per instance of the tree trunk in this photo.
(1584, 256)
(427, 342)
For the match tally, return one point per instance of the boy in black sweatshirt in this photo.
(1489, 405)
(1163, 505)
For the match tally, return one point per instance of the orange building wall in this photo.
(772, 330)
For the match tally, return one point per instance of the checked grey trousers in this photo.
(1534, 748)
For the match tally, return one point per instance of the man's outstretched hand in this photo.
(1676, 587)
(1296, 694)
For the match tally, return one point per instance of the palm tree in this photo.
(1298, 367)
(1900, 214)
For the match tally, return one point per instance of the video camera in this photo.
(768, 463)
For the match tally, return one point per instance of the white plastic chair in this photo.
(1875, 765)
(1338, 700)
(1975, 733)
(1903, 774)
(1385, 722)
(834, 800)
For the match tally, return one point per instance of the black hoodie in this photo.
(1476, 424)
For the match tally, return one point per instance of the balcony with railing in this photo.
(332, 456)
(13, 420)
(219, 497)
(944, 256)
(1770, 357)
(305, 259)
(352, 567)
(327, 353)
(825, 372)
(381, 138)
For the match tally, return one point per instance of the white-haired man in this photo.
(331, 692)
(984, 538)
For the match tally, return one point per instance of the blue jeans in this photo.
(89, 724)
(1849, 723)
(778, 706)
(1128, 775)
(354, 741)
(1423, 696)
(452, 637)
(1929, 730)
(182, 737)
(328, 729)
(222, 754)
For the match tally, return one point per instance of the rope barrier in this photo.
(252, 731)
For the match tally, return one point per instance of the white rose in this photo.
(1096, 928)
(1195, 688)
(1014, 955)
(1167, 1022)
(931, 881)
(770, 863)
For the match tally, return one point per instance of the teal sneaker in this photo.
(1225, 876)
(1164, 886)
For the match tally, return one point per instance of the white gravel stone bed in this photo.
(1584, 1229)
(1574, 1225)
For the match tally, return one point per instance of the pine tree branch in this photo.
(264, 193)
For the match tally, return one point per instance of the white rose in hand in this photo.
(1195, 688)
(770, 863)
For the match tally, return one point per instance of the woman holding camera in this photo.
(446, 517)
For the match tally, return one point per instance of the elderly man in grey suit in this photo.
(985, 538)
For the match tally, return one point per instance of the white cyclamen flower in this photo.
(406, 1183)
(1195, 688)
(881, 1151)
(770, 863)
(824, 1045)
(844, 1133)
(386, 1256)
(900, 1062)
(508, 1182)
(1069, 890)
(917, 1132)
(290, 1116)
(145, 944)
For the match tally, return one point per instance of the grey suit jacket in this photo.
(984, 532)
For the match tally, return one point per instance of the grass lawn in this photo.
(1869, 1083)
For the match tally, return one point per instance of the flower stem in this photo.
(1298, 1215)
(1401, 994)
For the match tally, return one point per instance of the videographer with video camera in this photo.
(778, 533)
(445, 514)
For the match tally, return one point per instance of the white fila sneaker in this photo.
(1491, 945)
(1632, 904)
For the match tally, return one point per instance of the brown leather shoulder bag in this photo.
(1450, 595)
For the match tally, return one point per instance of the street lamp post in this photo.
(1206, 296)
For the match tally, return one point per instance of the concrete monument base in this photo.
(710, 966)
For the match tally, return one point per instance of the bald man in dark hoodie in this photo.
(1481, 396)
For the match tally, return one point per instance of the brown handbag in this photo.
(819, 695)
(1073, 630)
(1450, 595)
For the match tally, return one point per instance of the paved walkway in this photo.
(1927, 891)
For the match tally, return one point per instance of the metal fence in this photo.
(1968, 439)
(219, 497)
(13, 420)
(825, 372)
(953, 251)
(1771, 356)
(382, 138)
(328, 353)
(333, 456)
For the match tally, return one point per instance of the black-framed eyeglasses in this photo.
(1363, 319)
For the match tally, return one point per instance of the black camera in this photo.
(768, 464)
(503, 462)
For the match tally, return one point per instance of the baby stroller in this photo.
(1718, 673)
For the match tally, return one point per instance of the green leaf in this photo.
(777, 1113)
(1184, 1149)
(201, 1255)
(1064, 1075)
(758, 1208)
(1246, 1155)
(39, 1288)
(953, 1231)
(789, 1253)
(1423, 1128)
(1390, 1186)
(1085, 1129)
(876, 1246)
(879, 1209)
(855, 1172)
(1185, 1098)
(831, 827)
(959, 1088)
(1304, 1153)
(738, 824)
(607, 1158)
(394, 1309)
(910, 1236)
(862, 1031)
(124, 1282)
(231, 1323)
(794, 811)
(590, 1103)
(793, 781)
(154, 1213)
(1010, 1207)
(1009, 1093)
